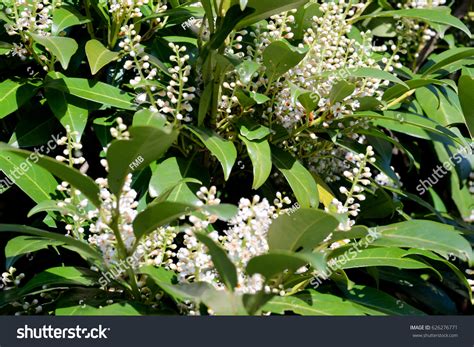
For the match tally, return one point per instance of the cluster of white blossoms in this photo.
(126, 8)
(331, 56)
(422, 3)
(175, 99)
(359, 177)
(9, 280)
(29, 17)
(245, 238)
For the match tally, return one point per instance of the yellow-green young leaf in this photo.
(5, 47)
(35, 181)
(299, 178)
(63, 48)
(65, 17)
(99, 56)
(303, 229)
(99, 92)
(64, 172)
(146, 145)
(222, 149)
(466, 97)
(13, 95)
(68, 113)
(261, 157)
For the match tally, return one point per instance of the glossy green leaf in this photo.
(424, 234)
(13, 95)
(34, 180)
(303, 229)
(299, 178)
(261, 157)
(157, 215)
(145, 117)
(225, 268)
(98, 56)
(99, 92)
(22, 245)
(267, 8)
(63, 48)
(312, 303)
(279, 57)
(466, 97)
(66, 111)
(64, 172)
(341, 90)
(146, 145)
(279, 262)
(368, 72)
(222, 149)
(65, 17)
(446, 58)
(117, 309)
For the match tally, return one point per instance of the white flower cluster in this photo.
(9, 280)
(127, 8)
(30, 16)
(245, 238)
(175, 99)
(359, 177)
(331, 56)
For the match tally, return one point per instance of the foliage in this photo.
(236, 157)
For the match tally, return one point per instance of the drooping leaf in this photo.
(65, 17)
(466, 97)
(261, 157)
(13, 95)
(279, 57)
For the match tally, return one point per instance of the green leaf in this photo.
(64, 172)
(439, 15)
(21, 245)
(225, 268)
(49, 205)
(376, 73)
(69, 113)
(78, 246)
(303, 229)
(205, 102)
(252, 130)
(399, 90)
(13, 95)
(362, 258)
(440, 104)
(447, 58)
(279, 57)
(145, 117)
(299, 178)
(99, 56)
(157, 215)
(99, 92)
(246, 70)
(5, 47)
(267, 8)
(312, 303)
(35, 181)
(466, 97)
(65, 17)
(222, 149)
(117, 309)
(261, 157)
(379, 300)
(278, 262)
(170, 174)
(424, 234)
(63, 48)
(146, 145)
(341, 90)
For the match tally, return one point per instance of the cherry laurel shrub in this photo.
(236, 157)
